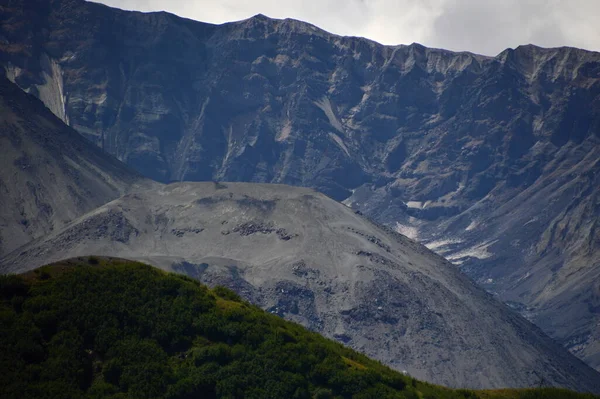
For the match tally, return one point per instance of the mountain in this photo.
(49, 173)
(293, 251)
(108, 328)
(491, 161)
(301, 255)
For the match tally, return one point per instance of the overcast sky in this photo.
(481, 26)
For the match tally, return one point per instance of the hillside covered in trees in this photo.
(97, 327)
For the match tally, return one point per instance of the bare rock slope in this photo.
(49, 173)
(310, 259)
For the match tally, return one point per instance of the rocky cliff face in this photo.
(49, 174)
(492, 161)
(305, 257)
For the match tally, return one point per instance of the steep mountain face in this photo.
(491, 161)
(310, 259)
(49, 174)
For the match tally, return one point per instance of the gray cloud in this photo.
(481, 26)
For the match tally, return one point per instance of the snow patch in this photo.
(409, 231)
(438, 246)
(472, 226)
(414, 204)
(479, 251)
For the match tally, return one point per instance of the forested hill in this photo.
(97, 327)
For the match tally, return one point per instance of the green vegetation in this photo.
(102, 328)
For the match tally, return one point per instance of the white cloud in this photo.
(480, 26)
(491, 26)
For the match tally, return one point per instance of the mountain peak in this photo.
(262, 17)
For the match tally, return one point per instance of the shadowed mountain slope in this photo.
(49, 174)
